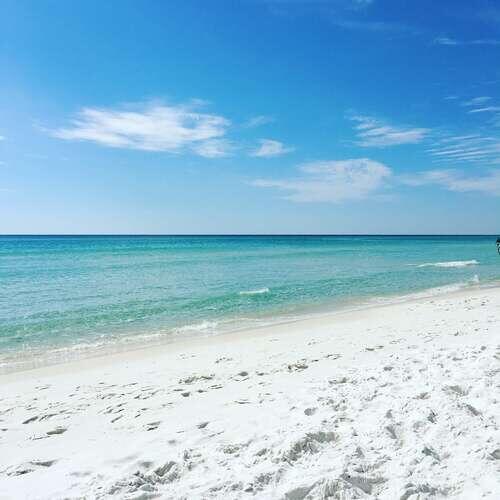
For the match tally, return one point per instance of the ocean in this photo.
(64, 297)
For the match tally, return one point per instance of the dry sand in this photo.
(393, 402)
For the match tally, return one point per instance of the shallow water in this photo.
(66, 296)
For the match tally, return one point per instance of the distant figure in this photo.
(498, 245)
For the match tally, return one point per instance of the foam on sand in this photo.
(452, 263)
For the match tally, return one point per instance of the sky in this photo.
(250, 117)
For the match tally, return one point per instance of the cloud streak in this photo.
(466, 148)
(153, 127)
(457, 181)
(444, 40)
(257, 121)
(332, 181)
(269, 148)
(374, 26)
(214, 148)
(372, 132)
(486, 109)
(476, 101)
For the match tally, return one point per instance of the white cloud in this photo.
(154, 127)
(374, 26)
(477, 100)
(333, 181)
(269, 148)
(455, 180)
(466, 148)
(487, 109)
(214, 148)
(444, 40)
(478, 147)
(257, 121)
(372, 132)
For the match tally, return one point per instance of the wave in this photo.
(204, 326)
(428, 292)
(254, 292)
(452, 263)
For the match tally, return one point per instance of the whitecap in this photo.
(198, 327)
(254, 292)
(452, 263)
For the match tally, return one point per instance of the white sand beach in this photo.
(393, 402)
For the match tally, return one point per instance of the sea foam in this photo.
(254, 292)
(204, 326)
(452, 263)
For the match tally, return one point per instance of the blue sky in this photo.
(250, 116)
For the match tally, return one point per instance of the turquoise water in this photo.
(67, 296)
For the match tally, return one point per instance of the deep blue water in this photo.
(62, 295)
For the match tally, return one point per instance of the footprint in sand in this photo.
(57, 431)
(297, 366)
(223, 360)
(333, 356)
(31, 466)
(152, 426)
(30, 420)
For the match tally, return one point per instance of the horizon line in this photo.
(235, 234)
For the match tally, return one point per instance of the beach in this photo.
(391, 401)
(250, 250)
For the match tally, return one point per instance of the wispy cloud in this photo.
(475, 148)
(344, 14)
(487, 109)
(257, 121)
(269, 148)
(374, 26)
(214, 148)
(332, 181)
(456, 180)
(444, 40)
(476, 101)
(150, 127)
(372, 132)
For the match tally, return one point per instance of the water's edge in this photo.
(65, 298)
(82, 353)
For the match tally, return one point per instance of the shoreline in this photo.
(308, 313)
(394, 401)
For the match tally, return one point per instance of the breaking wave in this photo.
(204, 326)
(452, 263)
(254, 292)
